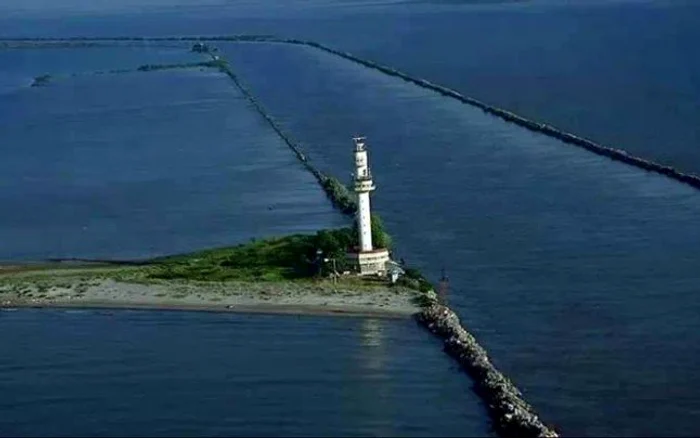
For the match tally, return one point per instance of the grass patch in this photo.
(276, 259)
(289, 258)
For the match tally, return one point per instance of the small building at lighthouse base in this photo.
(374, 262)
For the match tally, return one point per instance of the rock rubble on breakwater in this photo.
(512, 416)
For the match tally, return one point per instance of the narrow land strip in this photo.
(69, 288)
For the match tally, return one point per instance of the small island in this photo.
(291, 274)
(346, 270)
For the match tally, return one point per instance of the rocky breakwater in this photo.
(549, 130)
(339, 195)
(512, 416)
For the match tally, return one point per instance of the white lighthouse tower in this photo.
(367, 259)
(363, 186)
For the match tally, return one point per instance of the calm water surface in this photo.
(142, 164)
(136, 373)
(621, 72)
(579, 274)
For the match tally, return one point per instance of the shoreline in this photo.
(121, 288)
(253, 309)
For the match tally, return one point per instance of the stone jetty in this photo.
(511, 415)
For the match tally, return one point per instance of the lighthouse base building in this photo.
(367, 260)
(372, 262)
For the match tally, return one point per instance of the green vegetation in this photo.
(286, 258)
(413, 279)
(341, 196)
(335, 243)
(41, 81)
(274, 259)
(345, 201)
(380, 238)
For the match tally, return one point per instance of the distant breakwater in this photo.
(336, 191)
(68, 44)
(45, 80)
(549, 130)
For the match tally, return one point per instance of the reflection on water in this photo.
(372, 360)
(372, 332)
(374, 354)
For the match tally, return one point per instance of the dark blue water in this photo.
(143, 164)
(19, 67)
(138, 373)
(621, 72)
(578, 274)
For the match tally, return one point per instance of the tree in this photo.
(327, 242)
(334, 243)
(380, 238)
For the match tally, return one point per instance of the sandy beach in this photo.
(112, 288)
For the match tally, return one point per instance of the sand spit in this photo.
(93, 288)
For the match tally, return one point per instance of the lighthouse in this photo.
(363, 186)
(367, 259)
